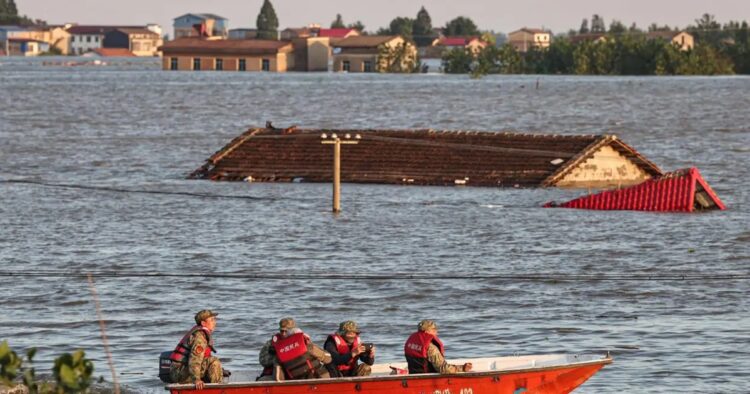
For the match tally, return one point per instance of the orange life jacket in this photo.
(343, 347)
(181, 352)
(415, 350)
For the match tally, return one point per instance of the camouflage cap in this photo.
(348, 326)
(203, 315)
(425, 325)
(287, 323)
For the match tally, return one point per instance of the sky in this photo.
(499, 16)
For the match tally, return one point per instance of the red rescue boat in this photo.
(549, 374)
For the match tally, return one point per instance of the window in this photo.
(368, 66)
(196, 64)
(96, 39)
(73, 39)
(242, 65)
(266, 66)
(173, 63)
(346, 66)
(219, 65)
(88, 38)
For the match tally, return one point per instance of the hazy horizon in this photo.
(554, 15)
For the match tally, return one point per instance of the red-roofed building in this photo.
(337, 33)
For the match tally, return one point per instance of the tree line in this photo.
(9, 15)
(619, 50)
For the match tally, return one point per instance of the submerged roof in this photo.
(679, 191)
(423, 157)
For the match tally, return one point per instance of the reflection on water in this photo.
(131, 126)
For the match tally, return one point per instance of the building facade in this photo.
(139, 41)
(682, 39)
(195, 54)
(524, 39)
(365, 53)
(200, 25)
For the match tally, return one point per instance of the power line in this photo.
(533, 277)
(119, 190)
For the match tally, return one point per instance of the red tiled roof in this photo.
(423, 157)
(335, 33)
(679, 191)
(453, 41)
(203, 46)
(113, 52)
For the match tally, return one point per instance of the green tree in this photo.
(584, 26)
(461, 27)
(457, 61)
(358, 25)
(509, 60)
(616, 27)
(402, 26)
(11, 8)
(3, 8)
(338, 23)
(399, 59)
(559, 57)
(597, 24)
(422, 28)
(267, 22)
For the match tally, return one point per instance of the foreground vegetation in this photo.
(72, 373)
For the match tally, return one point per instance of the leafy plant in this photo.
(73, 372)
(10, 364)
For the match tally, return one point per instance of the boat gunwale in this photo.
(606, 360)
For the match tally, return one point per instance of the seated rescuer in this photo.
(191, 359)
(425, 353)
(346, 348)
(297, 355)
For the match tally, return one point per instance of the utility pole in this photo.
(336, 142)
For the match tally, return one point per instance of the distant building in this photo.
(243, 34)
(139, 41)
(26, 47)
(298, 32)
(526, 38)
(200, 25)
(87, 38)
(196, 54)
(363, 53)
(442, 44)
(682, 39)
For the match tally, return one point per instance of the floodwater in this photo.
(130, 126)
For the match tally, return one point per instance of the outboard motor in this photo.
(164, 365)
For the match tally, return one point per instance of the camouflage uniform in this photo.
(438, 361)
(267, 356)
(199, 367)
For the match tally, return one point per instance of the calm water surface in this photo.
(128, 125)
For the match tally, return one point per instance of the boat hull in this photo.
(547, 380)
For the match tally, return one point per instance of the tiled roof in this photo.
(667, 35)
(78, 29)
(202, 46)
(18, 39)
(364, 41)
(113, 52)
(202, 16)
(335, 33)
(453, 41)
(423, 157)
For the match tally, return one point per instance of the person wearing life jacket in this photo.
(191, 359)
(425, 352)
(346, 349)
(296, 355)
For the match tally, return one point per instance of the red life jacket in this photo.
(294, 356)
(181, 353)
(343, 347)
(415, 350)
